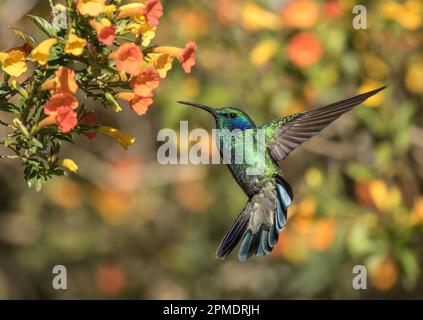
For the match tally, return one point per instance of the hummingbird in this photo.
(269, 194)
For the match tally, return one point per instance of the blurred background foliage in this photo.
(126, 227)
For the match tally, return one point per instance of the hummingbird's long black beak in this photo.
(200, 106)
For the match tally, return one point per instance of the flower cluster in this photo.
(97, 48)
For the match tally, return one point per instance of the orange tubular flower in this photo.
(60, 100)
(139, 104)
(66, 119)
(128, 58)
(60, 108)
(186, 56)
(63, 82)
(145, 82)
(106, 33)
(152, 11)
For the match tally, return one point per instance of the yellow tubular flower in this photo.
(162, 62)
(124, 139)
(126, 96)
(70, 165)
(143, 29)
(131, 9)
(75, 45)
(42, 51)
(109, 10)
(13, 62)
(91, 7)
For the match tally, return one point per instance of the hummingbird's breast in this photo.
(247, 158)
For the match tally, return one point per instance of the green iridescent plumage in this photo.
(269, 195)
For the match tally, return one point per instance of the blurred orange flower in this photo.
(332, 9)
(66, 194)
(110, 279)
(375, 193)
(292, 246)
(384, 275)
(128, 58)
(192, 196)
(304, 49)
(416, 216)
(227, 11)
(301, 14)
(113, 206)
(323, 234)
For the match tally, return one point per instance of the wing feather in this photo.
(288, 133)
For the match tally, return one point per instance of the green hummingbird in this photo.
(269, 195)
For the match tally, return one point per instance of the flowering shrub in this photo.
(95, 49)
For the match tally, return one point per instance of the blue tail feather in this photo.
(261, 241)
(245, 246)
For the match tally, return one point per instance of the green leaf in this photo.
(29, 40)
(44, 26)
(8, 142)
(37, 143)
(38, 184)
(65, 137)
(31, 182)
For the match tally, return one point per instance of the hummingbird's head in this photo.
(226, 118)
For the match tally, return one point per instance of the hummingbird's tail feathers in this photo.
(233, 236)
(288, 133)
(260, 222)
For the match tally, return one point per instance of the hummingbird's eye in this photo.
(232, 115)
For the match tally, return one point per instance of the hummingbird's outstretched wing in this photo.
(259, 224)
(288, 133)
